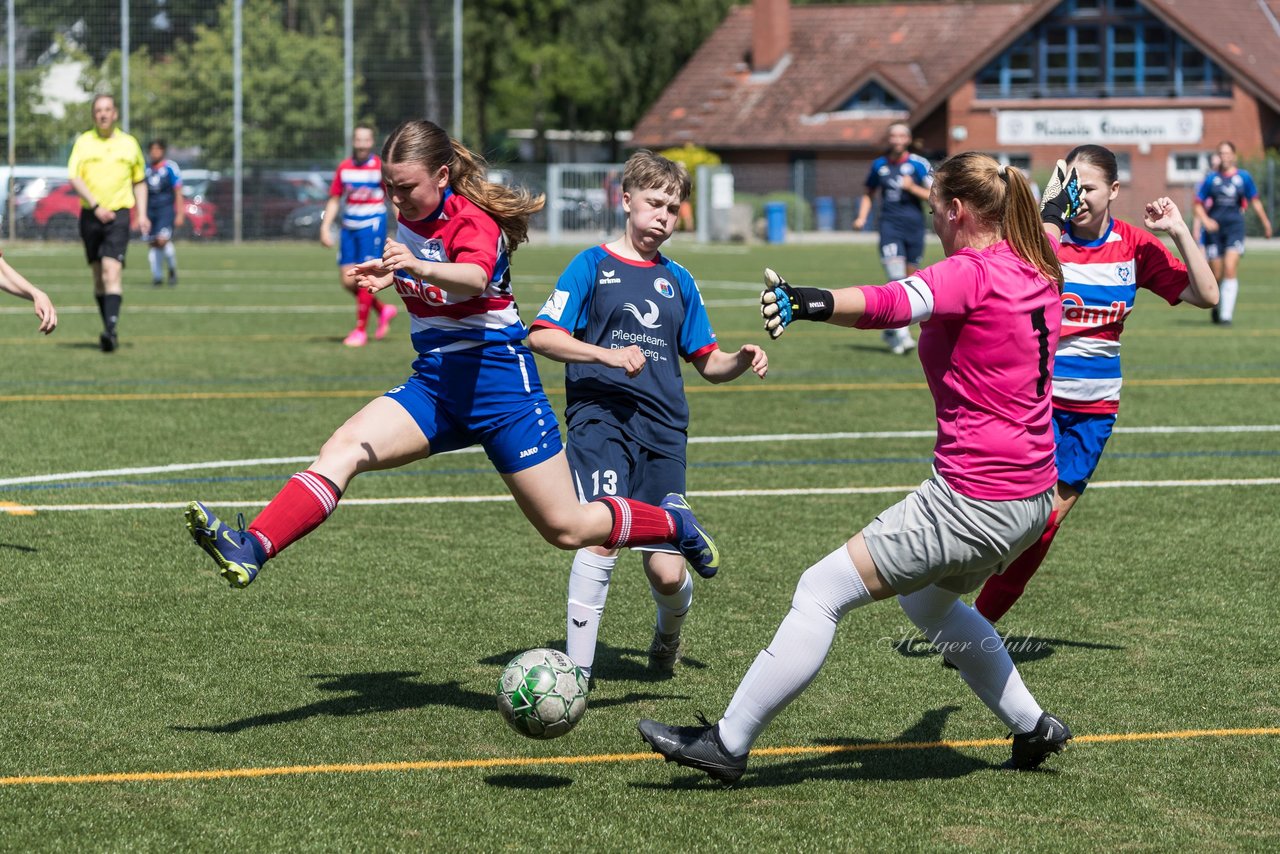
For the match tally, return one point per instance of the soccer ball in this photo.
(542, 693)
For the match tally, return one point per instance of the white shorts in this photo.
(937, 536)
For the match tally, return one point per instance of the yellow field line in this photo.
(595, 759)
(554, 391)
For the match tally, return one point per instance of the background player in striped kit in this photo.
(1105, 261)
(901, 177)
(1220, 205)
(357, 190)
(627, 415)
(474, 382)
(167, 210)
(989, 318)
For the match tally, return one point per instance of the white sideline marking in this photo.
(749, 438)
(28, 509)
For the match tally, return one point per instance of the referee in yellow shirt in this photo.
(108, 171)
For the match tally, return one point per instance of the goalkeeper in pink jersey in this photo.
(1105, 263)
(989, 317)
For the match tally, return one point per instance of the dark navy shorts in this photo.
(104, 240)
(902, 243)
(1080, 438)
(1228, 238)
(357, 245)
(604, 460)
(489, 396)
(161, 223)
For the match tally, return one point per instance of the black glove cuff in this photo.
(813, 304)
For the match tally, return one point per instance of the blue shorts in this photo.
(1080, 438)
(902, 243)
(488, 395)
(161, 223)
(1228, 238)
(357, 245)
(605, 460)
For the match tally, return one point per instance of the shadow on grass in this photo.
(19, 547)
(527, 781)
(858, 759)
(1023, 649)
(366, 693)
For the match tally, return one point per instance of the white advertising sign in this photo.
(1062, 127)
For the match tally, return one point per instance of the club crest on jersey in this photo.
(433, 250)
(649, 319)
(663, 287)
(609, 277)
(1123, 271)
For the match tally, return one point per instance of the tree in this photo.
(292, 82)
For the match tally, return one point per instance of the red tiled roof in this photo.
(920, 52)
(1243, 36)
(914, 50)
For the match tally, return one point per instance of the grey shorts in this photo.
(937, 536)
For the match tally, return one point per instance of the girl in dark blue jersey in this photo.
(1220, 205)
(623, 316)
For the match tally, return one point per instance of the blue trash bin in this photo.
(824, 209)
(775, 222)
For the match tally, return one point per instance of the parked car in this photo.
(57, 215)
(267, 204)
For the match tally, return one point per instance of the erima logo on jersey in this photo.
(555, 305)
(609, 277)
(649, 320)
(663, 287)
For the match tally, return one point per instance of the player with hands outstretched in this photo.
(1105, 263)
(622, 317)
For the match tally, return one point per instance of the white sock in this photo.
(673, 608)
(588, 589)
(978, 652)
(153, 255)
(827, 591)
(171, 256)
(1227, 291)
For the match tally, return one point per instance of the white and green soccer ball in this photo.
(542, 693)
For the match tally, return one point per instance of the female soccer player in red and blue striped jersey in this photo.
(1105, 261)
(474, 382)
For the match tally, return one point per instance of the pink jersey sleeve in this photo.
(957, 284)
(1157, 270)
(335, 186)
(887, 307)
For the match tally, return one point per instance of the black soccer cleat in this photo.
(1032, 748)
(696, 747)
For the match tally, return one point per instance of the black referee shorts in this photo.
(104, 240)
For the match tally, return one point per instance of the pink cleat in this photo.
(357, 338)
(384, 320)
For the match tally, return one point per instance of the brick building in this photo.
(798, 98)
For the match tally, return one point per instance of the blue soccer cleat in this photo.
(238, 555)
(694, 543)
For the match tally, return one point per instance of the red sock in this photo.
(306, 500)
(364, 302)
(1001, 591)
(637, 524)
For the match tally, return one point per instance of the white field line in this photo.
(30, 509)
(750, 438)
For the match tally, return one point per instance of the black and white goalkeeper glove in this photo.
(1061, 200)
(780, 303)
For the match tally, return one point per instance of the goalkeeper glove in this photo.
(780, 303)
(1061, 199)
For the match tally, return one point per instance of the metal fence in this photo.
(255, 98)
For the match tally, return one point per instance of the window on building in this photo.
(1099, 49)
(872, 97)
(1187, 167)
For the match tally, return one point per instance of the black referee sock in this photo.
(102, 310)
(110, 312)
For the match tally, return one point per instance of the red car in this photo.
(57, 216)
